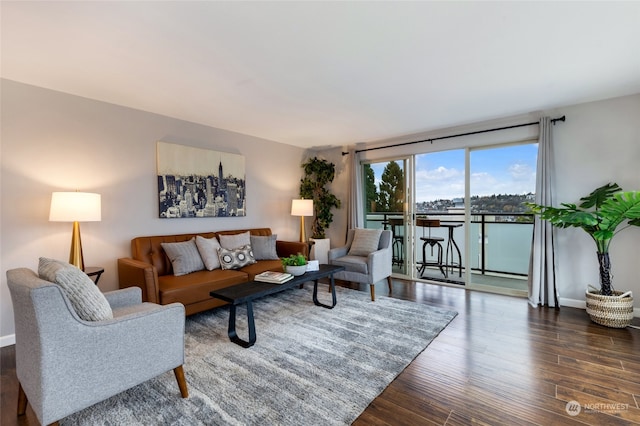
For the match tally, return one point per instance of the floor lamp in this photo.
(302, 208)
(75, 207)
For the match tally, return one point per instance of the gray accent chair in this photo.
(65, 364)
(364, 269)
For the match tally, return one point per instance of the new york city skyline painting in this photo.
(197, 182)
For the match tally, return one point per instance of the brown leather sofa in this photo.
(150, 269)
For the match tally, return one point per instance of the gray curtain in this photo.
(542, 278)
(355, 207)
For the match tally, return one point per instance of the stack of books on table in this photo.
(273, 277)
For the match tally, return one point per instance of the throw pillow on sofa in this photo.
(264, 247)
(208, 249)
(85, 297)
(184, 257)
(235, 241)
(237, 258)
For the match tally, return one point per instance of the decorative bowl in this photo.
(296, 270)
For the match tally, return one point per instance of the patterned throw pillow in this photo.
(264, 248)
(237, 258)
(365, 241)
(235, 241)
(184, 257)
(208, 249)
(85, 297)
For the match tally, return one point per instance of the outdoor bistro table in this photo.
(451, 244)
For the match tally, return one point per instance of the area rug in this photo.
(310, 365)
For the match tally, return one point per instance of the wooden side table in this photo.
(94, 271)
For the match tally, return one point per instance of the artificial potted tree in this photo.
(318, 174)
(600, 214)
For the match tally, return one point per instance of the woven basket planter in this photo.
(614, 311)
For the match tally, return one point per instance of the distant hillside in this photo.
(501, 203)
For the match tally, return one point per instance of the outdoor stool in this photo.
(433, 242)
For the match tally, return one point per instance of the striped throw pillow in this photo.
(184, 257)
(365, 241)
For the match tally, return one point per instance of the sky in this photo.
(502, 170)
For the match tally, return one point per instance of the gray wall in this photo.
(599, 143)
(53, 141)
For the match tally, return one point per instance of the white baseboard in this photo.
(581, 304)
(573, 303)
(7, 340)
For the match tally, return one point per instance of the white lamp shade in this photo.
(302, 207)
(75, 207)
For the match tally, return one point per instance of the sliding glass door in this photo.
(502, 179)
(386, 194)
(457, 216)
(439, 246)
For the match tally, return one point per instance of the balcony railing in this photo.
(500, 242)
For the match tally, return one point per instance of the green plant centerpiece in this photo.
(295, 264)
(603, 214)
(318, 174)
(294, 260)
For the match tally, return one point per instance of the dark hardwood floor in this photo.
(499, 362)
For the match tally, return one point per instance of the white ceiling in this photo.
(315, 74)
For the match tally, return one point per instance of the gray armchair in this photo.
(366, 268)
(65, 364)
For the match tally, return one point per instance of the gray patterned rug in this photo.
(310, 365)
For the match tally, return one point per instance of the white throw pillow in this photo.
(208, 249)
(85, 297)
(365, 242)
(235, 241)
(184, 257)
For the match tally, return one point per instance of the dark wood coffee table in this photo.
(249, 291)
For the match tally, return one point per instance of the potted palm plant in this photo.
(602, 215)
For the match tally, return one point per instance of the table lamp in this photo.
(75, 207)
(302, 208)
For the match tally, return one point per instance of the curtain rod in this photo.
(563, 118)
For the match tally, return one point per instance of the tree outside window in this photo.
(391, 192)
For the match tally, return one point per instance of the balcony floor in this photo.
(500, 281)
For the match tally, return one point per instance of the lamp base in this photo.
(303, 236)
(75, 254)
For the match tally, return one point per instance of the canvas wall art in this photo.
(196, 182)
